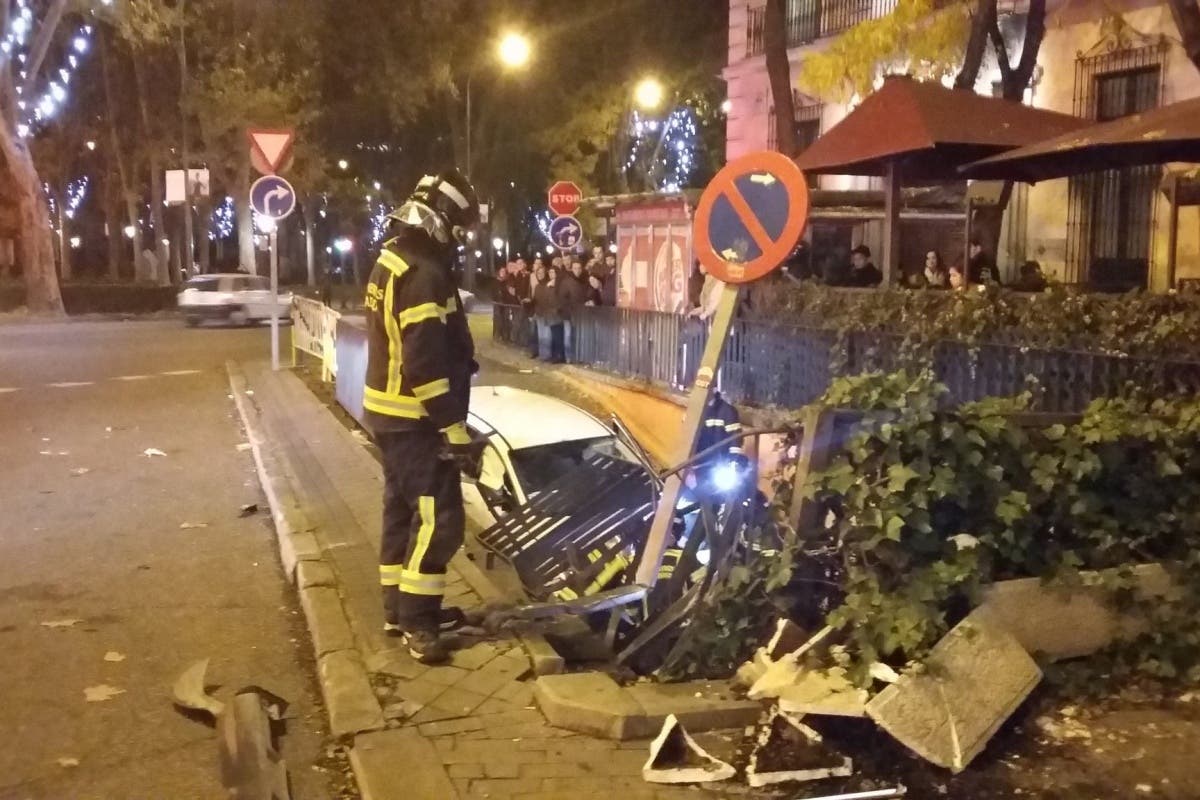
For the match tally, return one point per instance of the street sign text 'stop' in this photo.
(565, 197)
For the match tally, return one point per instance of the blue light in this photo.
(726, 477)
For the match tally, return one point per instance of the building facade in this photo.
(1100, 59)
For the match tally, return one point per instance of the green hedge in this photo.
(100, 298)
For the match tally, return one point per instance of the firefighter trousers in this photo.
(423, 526)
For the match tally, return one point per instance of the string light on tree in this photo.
(77, 191)
(221, 226)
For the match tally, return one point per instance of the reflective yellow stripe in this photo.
(567, 593)
(595, 556)
(428, 512)
(666, 572)
(714, 423)
(389, 574)
(733, 427)
(611, 570)
(428, 391)
(417, 583)
(393, 263)
(737, 451)
(392, 405)
(411, 316)
(393, 334)
(457, 433)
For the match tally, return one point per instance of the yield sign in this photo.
(269, 148)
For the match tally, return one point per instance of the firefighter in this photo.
(419, 368)
(722, 471)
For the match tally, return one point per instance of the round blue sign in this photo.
(565, 232)
(273, 197)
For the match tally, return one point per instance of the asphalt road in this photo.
(101, 586)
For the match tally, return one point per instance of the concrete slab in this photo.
(310, 573)
(326, 620)
(349, 698)
(974, 679)
(395, 764)
(698, 705)
(1061, 622)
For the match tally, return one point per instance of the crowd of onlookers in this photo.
(980, 270)
(552, 294)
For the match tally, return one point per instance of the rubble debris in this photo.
(79, 471)
(151, 452)
(788, 750)
(873, 794)
(248, 510)
(251, 765)
(975, 678)
(114, 657)
(1068, 728)
(61, 623)
(243, 446)
(189, 691)
(676, 758)
(187, 526)
(66, 762)
(101, 693)
(883, 673)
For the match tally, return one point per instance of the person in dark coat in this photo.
(863, 273)
(548, 311)
(573, 291)
(981, 267)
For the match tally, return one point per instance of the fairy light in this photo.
(77, 191)
(47, 104)
(221, 226)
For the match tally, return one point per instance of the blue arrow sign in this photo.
(273, 197)
(565, 232)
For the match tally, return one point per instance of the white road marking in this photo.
(70, 384)
(132, 378)
(181, 372)
(9, 389)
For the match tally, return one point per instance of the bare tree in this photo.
(779, 72)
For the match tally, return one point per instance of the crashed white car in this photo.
(233, 298)
(534, 439)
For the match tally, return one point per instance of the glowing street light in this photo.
(76, 242)
(343, 165)
(343, 245)
(649, 94)
(498, 243)
(726, 106)
(130, 231)
(514, 49)
(91, 145)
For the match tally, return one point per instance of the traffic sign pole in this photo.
(275, 300)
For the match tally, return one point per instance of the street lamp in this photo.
(343, 164)
(498, 244)
(649, 94)
(343, 245)
(513, 51)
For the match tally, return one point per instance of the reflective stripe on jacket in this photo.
(419, 347)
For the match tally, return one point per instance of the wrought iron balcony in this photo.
(809, 20)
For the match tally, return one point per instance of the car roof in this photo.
(530, 419)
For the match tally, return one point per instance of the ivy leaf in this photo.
(1055, 432)
(1012, 507)
(1168, 467)
(899, 475)
(894, 526)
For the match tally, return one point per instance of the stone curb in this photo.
(345, 684)
(594, 703)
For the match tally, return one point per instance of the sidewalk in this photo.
(469, 729)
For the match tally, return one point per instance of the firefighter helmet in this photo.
(445, 205)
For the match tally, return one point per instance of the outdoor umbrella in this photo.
(920, 132)
(1158, 136)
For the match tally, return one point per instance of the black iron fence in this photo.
(775, 364)
(809, 20)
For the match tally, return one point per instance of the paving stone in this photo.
(349, 698)
(474, 657)
(420, 691)
(397, 663)
(976, 677)
(465, 770)
(589, 702)
(487, 681)
(445, 675)
(450, 726)
(310, 573)
(429, 714)
(544, 658)
(502, 769)
(458, 701)
(519, 693)
(399, 763)
(493, 705)
(495, 788)
(517, 717)
(326, 620)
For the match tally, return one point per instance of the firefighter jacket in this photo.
(420, 354)
(721, 420)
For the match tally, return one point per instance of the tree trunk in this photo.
(1187, 19)
(34, 246)
(166, 275)
(112, 224)
(130, 199)
(205, 208)
(779, 72)
(310, 245)
(141, 271)
(245, 220)
(65, 269)
(982, 20)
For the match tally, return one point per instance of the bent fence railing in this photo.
(776, 364)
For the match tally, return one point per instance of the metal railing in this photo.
(809, 20)
(776, 364)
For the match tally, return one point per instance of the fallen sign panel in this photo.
(973, 680)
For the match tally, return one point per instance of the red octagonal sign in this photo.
(565, 197)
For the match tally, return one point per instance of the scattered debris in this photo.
(101, 693)
(1068, 728)
(788, 750)
(243, 446)
(360, 437)
(75, 473)
(150, 452)
(251, 765)
(248, 510)
(66, 762)
(676, 758)
(883, 673)
(187, 526)
(976, 676)
(61, 623)
(402, 710)
(526, 372)
(250, 392)
(873, 794)
(114, 657)
(189, 691)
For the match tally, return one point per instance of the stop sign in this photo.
(565, 197)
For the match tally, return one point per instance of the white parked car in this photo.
(235, 298)
(534, 439)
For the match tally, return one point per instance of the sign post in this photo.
(274, 199)
(748, 220)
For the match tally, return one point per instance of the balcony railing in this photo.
(809, 20)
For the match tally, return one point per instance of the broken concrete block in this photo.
(1067, 622)
(310, 573)
(698, 705)
(827, 692)
(676, 758)
(788, 750)
(783, 671)
(973, 680)
(588, 702)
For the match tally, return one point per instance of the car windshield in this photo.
(538, 467)
(202, 284)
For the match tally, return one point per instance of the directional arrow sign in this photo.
(269, 148)
(273, 197)
(565, 232)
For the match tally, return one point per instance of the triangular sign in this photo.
(273, 145)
